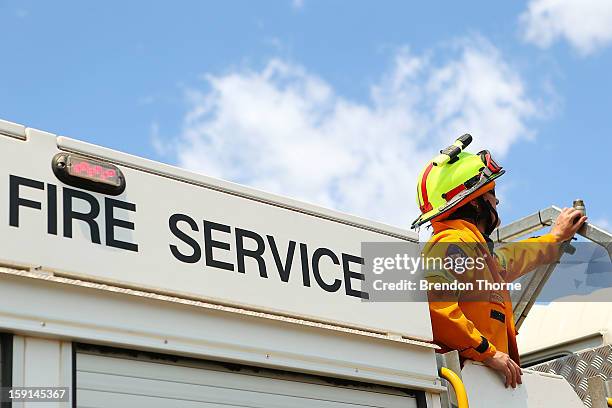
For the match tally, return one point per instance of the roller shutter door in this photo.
(120, 379)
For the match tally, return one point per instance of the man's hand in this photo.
(502, 363)
(568, 222)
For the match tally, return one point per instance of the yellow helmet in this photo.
(452, 179)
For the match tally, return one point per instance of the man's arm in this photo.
(457, 332)
(451, 327)
(521, 257)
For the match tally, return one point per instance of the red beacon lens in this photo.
(88, 174)
(93, 171)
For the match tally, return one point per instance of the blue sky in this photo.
(335, 102)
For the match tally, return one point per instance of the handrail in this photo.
(610, 402)
(455, 381)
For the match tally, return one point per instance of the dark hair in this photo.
(472, 213)
(467, 212)
(484, 211)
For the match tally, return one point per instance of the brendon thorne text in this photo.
(424, 284)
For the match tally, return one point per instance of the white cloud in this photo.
(297, 4)
(286, 130)
(160, 146)
(586, 24)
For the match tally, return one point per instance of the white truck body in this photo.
(538, 390)
(140, 255)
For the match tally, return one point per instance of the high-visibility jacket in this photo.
(478, 324)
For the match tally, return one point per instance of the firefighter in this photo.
(456, 195)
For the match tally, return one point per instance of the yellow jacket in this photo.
(479, 323)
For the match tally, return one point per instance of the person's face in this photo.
(490, 197)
